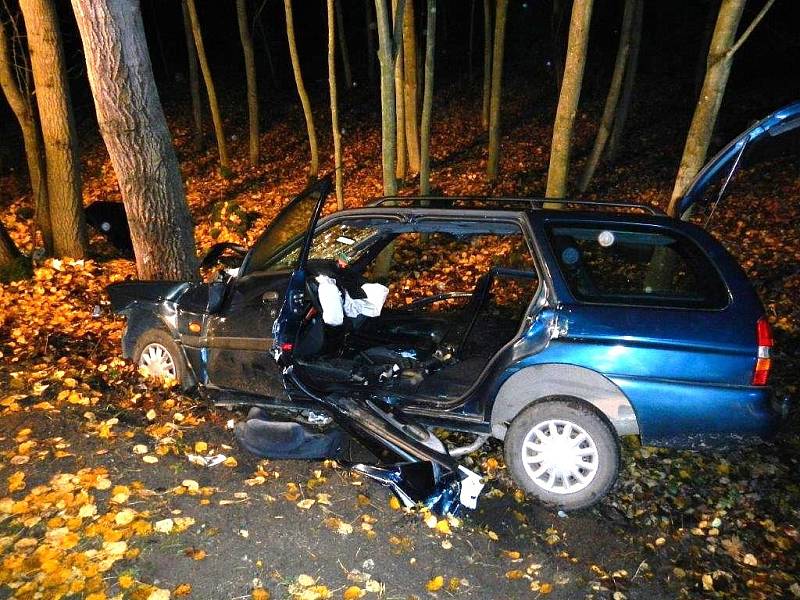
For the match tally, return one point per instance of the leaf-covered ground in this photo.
(99, 497)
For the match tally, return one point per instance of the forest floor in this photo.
(102, 500)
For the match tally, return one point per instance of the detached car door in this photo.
(239, 338)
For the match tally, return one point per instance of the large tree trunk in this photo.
(348, 73)
(135, 132)
(614, 91)
(427, 102)
(568, 100)
(624, 105)
(301, 91)
(400, 104)
(23, 109)
(410, 86)
(194, 79)
(719, 64)
(58, 127)
(388, 109)
(497, 84)
(487, 62)
(250, 71)
(337, 134)
(216, 117)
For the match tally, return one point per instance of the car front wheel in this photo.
(562, 452)
(158, 357)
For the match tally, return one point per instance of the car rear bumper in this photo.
(683, 414)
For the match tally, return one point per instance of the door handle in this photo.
(270, 296)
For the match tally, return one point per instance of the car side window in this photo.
(636, 265)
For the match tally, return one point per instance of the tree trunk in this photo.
(623, 107)
(135, 132)
(9, 254)
(400, 104)
(427, 102)
(301, 91)
(614, 91)
(250, 71)
(388, 109)
(487, 62)
(194, 80)
(710, 19)
(705, 113)
(216, 117)
(348, 73)
(371, 52)
(23, 110)
(497, 84)
(410, 86)
(58, 128)
(568, 100)
(556, 45)
(337, 134)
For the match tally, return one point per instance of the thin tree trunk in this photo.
(568, 100)
(497, 84)
(399, 87)
(337, 134)
(348, 73)
(556, 45)
(250, 71)
(388, 108)
(427, 102)
(371, 52)
(487, 62)
(623, 107)
(710, 19)
(705, 114)
(216, 117)
(135, 132)
(194, 79)
(471, 47)
(23, 110)
(301, 91)
(58, 128)
(614, 91)
(410, 86)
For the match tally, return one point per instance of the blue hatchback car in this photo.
(424, 327)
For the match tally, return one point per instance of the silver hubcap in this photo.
(156, 361)
(560, 456)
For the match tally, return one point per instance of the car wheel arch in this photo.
(539, 383)
(140, 321)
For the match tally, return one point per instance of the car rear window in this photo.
(636, 265)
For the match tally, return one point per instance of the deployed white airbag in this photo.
(334, 307)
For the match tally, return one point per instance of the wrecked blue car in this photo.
(424, 327)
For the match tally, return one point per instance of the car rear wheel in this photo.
(562, 452)
(158, 357)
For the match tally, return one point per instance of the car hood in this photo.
(126, 293)
(729, 160)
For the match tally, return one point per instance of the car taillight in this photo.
(763, 360)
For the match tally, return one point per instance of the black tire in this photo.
(601, 438)
(164, 339)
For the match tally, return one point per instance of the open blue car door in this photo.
(719, 172)
(426, 473)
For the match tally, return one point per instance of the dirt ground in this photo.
(102, 500)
